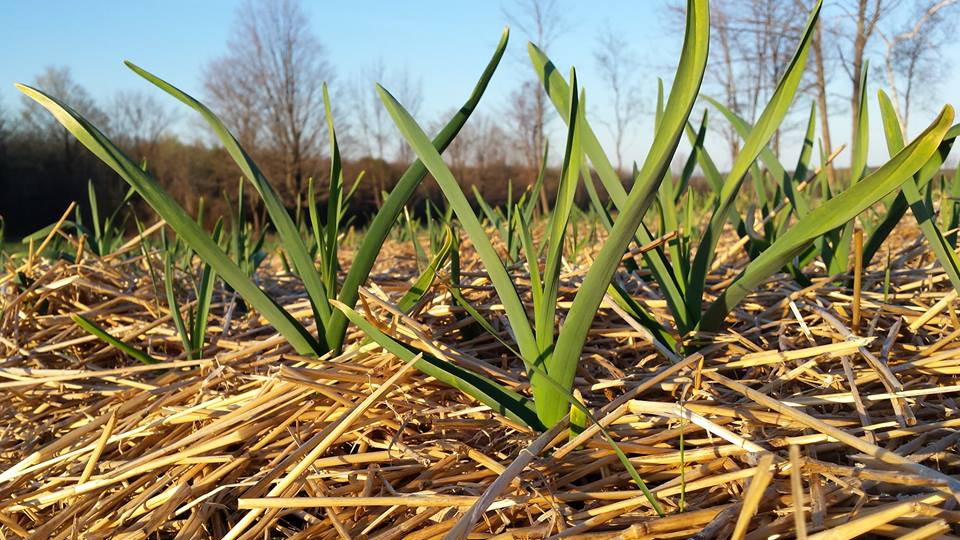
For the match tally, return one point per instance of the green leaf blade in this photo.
(562, 364)
(287, 230)
(829, 216)
(177, 218)
(379, 228)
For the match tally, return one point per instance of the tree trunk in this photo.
(856, 74)
(822, 96)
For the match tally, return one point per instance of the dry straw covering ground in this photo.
(821, 412)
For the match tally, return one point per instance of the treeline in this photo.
(42, 170)
(39, 178)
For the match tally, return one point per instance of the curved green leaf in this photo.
(205, 297)
(177, 218)
(132, 352)
(426, 278)
(486, 391)
(546, 309)
(829, 216)
(491, 393)
(173, 306)
(562, 364)
(559, 92)
(379, 228)
(501, 279)
(911, 192)
(334, 205)
(861, 139)
(898, 208)
(765, 127)
(287, 230)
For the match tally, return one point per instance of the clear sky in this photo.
(444, 43)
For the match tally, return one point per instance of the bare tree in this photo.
(234, 95)
(480, 146)
(775, 29)
(275, 69)
(752, 42)
(541, 21)
(912, 59)
(523, 113)
(373, 122)
(909, 39)
(865, 16)
(491, 148)
(377, 133)
(139, 120)
(458, 154)
(820, 60)
(725, 38)
(409, 90)
(36, 122)
(618, 68)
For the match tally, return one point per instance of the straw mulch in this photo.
(794, 422)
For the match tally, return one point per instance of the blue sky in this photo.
(446, 44)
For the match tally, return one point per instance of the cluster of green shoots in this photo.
(796, 227)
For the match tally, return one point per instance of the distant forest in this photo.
(43, 168)
(41, 172)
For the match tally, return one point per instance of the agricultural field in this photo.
(769, 351)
